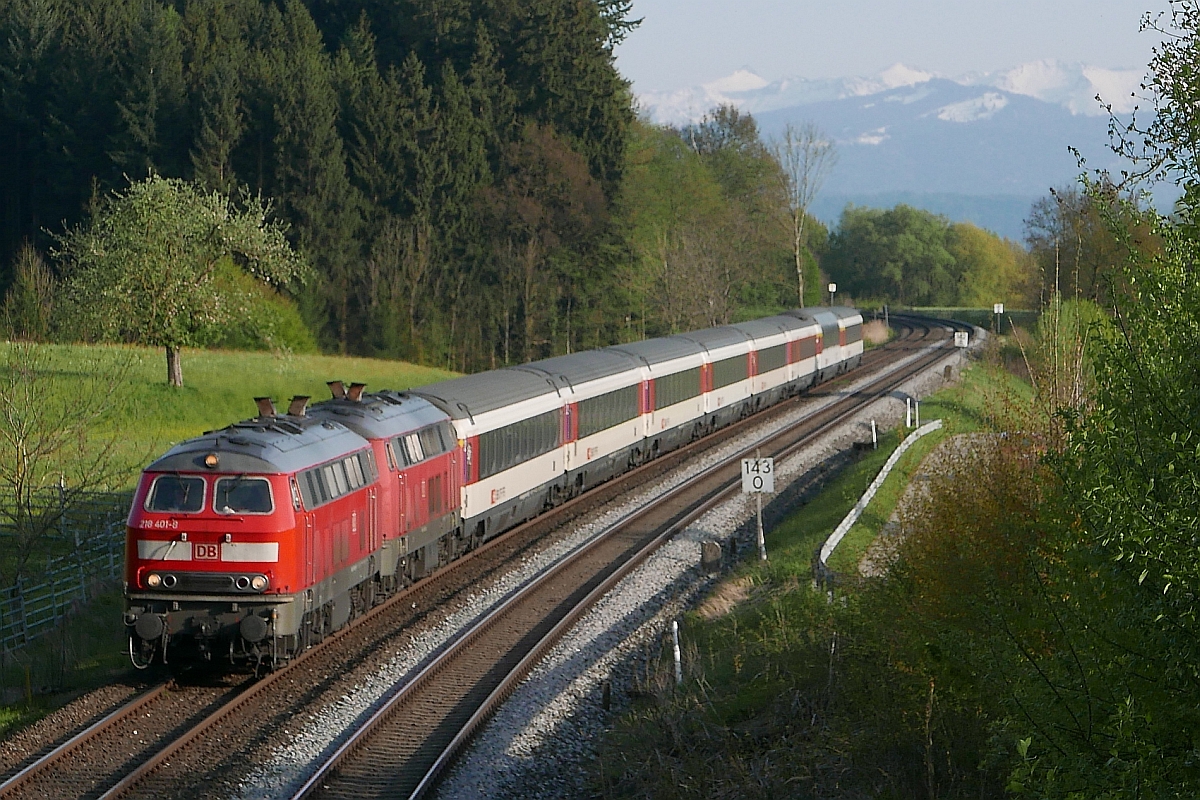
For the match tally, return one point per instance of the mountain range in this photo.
(980, 148)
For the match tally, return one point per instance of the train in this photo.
(247, 545)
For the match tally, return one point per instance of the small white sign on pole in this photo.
(998, 308)
(758, 476)
(962, 338)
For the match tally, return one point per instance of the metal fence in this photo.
(92, 533)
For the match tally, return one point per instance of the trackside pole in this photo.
(908, 412)
(762, 539)
(678, 661)
(874, 436)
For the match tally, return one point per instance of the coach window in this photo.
(607, 410)
(676, 387)
(177, 494)
(243, 496)
(772, 358)
(730, 370)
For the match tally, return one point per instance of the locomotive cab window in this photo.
(243, 496)
(178, 494)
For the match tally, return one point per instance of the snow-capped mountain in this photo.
(1073, 86)
(979, 147)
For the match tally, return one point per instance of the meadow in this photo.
(146, 416)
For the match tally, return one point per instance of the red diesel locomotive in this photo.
(254, 541)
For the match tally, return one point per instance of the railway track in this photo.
(407, 744)
(98, 756)
(174, 740)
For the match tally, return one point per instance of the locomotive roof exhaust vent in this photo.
(356, 390)
(298, 405)
(266, 406)
(337, 389)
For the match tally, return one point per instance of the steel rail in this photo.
(39, 766)
(852, 404)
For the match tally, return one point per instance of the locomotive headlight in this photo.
(259, 583)
(153, 580)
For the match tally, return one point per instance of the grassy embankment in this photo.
(219, 388)
(150, 416)
(760, 712)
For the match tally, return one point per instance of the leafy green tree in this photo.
(144, 266)
(991, 269)
(547, 200)
(899, 254)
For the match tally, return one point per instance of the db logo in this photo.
(208, 552)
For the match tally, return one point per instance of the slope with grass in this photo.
(964, 408)
(220, 386)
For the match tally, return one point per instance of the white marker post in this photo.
(678, 660)
(908, 412)
(874, 436)
(758, 478)
(917, 404)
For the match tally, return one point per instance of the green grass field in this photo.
(219, 388)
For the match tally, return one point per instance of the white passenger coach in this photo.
(538, 434)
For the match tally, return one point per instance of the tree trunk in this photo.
(798, 250)
(174, 367)
(532, 254)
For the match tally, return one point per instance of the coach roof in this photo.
(485, 391)
(580, 368)
(771, 326)
(656, 351)
(713, 338)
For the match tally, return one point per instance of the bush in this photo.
(29, 305)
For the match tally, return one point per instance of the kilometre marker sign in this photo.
(758, 476)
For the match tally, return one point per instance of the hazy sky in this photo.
(686, 42)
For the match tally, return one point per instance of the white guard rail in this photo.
(846, 524)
